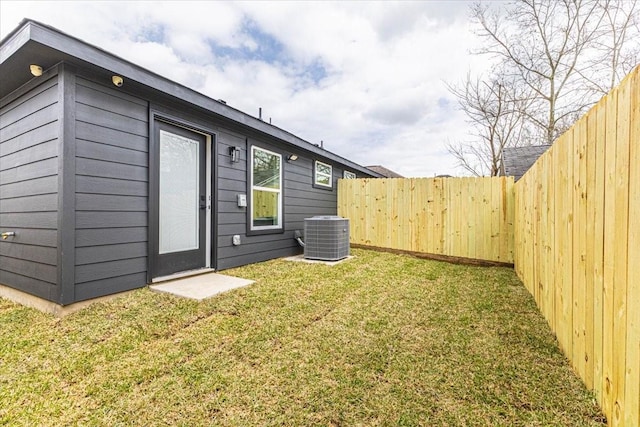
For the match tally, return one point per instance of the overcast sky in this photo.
(367, 78)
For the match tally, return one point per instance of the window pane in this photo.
(265, 208)
(266, 169)
(349, 175)
(323, 180)
(323, 169)
(178, 228)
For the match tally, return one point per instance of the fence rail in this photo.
(578, 247)
(457, 217)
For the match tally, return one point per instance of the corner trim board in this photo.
(66, 186)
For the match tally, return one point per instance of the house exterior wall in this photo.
(300, 200)
(111, 190)
(29, 162)
(75, 186)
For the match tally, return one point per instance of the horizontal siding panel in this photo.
(111, 285)
(310, 202)
(42, 117)
(114, 137)
(110, 219)
(232, 174)
(40, 254)
(232, 218)
(105, 270)
(40, 203)
(97, 151)
(103, 202)
(259, 243)
(107, 100)
(229, 195)
(47, 220)
(39, 169)
(37, 237)
(44, 185)
(35, 270)
(231, 229)
(110, 236)
(35, 100)
(89, 114)
(29, 139)
(30, 285)
(110, 90)
(225, 262)
(233, 185)
(231, 207)
(110, 170)
(96, 254)
(98, 185)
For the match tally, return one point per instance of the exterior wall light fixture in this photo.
(117, 80)
(36, 70)
(234, 152)
(292, 157)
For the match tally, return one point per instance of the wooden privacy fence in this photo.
(456, 217)
(578, 247)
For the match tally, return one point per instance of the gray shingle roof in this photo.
(387, 173)
(516, 161)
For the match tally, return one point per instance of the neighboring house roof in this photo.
(516, 161)
(386, 173)
(50, 46)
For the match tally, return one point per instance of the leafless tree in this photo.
(558, 58)
(542, 44)
(494, 108)
(617, 47)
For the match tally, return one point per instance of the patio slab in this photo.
(202, 286)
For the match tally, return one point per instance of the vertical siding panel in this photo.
(440, 213)
(598, 245)
(494, 242)
(589, 246)
(579, 292)
(609, 249)
(620, 251)
(632, 379)
(67, 186)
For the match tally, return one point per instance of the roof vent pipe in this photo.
(260, 113)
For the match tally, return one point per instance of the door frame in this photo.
(211, 175)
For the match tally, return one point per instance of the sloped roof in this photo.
(387, 173)
(516, 161)
(33, 42)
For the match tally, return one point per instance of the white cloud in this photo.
(367, 78)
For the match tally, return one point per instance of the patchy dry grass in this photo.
(379, 340)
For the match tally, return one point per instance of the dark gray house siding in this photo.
(79, 171)
(29, 147)
(111, 183)
(301, 200)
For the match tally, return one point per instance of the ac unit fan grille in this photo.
(326, 238)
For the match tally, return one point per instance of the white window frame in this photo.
(277, 226)
(349, 175)
(316, 174)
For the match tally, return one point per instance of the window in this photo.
(323, 175)
(266, 189)
(349, 175)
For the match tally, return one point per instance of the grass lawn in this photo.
(381, 339)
